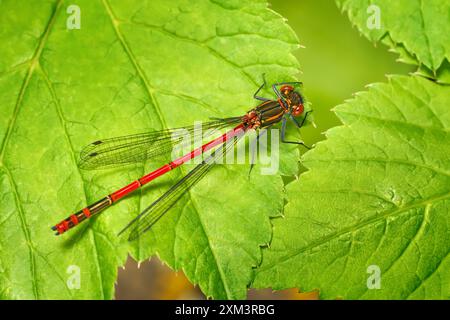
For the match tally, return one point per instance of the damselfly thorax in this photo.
(271, 112)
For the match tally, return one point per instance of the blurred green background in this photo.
(336, 62)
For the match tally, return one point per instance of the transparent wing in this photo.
(147, 218)
(140, 147)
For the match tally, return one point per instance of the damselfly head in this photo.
(298, 110)
(294, 100)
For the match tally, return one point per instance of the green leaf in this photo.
(377, 193)
(133, 66)
(417, 30)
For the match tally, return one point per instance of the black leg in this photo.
(299, 125)
(252, 162)
(277, 92)
(283, 133)
(280, 98)
(255, 96)
(304, 119)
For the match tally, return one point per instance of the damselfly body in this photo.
(289, 105)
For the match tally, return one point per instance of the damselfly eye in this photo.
(285, 90)
(298, 110)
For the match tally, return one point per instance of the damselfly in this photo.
(289, 105)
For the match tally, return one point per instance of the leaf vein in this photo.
(386, 161)
(219, 268)
(200, 44)
(74, 158)
(407, 124)
(34, 60)
(24, 227)
(356, 226)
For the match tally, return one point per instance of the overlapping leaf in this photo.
(418, 30)
(131, 67)
(376, 198)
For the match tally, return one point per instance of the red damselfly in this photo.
(289, 105)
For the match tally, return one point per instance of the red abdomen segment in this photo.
(107, 201)
(82, 215)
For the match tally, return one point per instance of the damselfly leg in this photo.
(283, 134)
(299, 125)
(255, 95)
(253, 149)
